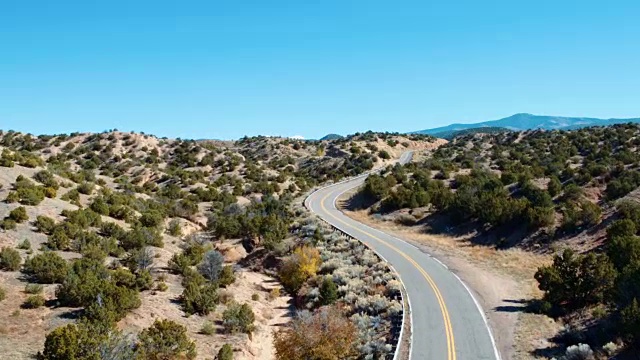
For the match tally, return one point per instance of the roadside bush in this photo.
(575, 281)
(238, 318)
(326, 334)
(33, 302)
(579, 352)
(46, 268)
(165, 339)
(19, 214)
(298, 268)
(328, 291)
(9, 259)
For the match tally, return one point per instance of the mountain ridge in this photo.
(525, 121)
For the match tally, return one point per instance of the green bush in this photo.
(19, 214)
(225, 353)
(8, 224)
(238, 318)
(9, 259)
(86, 188)
(174, 228)
(24, 245)
(208, 328)
(575, 281)
(34, 302)
(3, 294)
(12, 197)
(46, 268)
(44, 224)
(227, 277)
(198, 299)
(33, 288)
(328, 291)
(165, 339)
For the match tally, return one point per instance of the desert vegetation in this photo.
(569, 194)
(128, 244)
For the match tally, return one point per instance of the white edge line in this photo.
(484, 318)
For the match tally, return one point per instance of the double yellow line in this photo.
(451, 346)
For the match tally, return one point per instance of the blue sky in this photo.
(223, 69)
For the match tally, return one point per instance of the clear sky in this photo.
(223, 69)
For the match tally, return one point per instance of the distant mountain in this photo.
(332, 137)
(520, 122)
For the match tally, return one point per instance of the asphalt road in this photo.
(446, 320)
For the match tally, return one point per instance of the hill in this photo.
(570, 197)
(520, 122)
(331, 137)
(132, 219)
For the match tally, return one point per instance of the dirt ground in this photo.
(502, 281)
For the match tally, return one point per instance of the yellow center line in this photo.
(451, 347)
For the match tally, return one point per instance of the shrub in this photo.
(9, 259)
(211, 265)
(574, 281)
(327, 334)
(238, 318)
(19, 214)
(328, 291)
(86, 188)
(208, 328)
(33, 288)
(12, 197)
(383, 154)
(255, 297)
(161, 286)
(34, 302)
(46, 268)
(65, 343)
(227, 277)
(44, 224)
(8, 224)
(3, 294)
(24, 245)
(300, 266)
(578, 352)
(151, 218)
(165, 339)
(174, 228)
(225, 353)
(198, 299)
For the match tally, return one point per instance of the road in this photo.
(447, 322)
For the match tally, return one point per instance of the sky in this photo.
(225, 69)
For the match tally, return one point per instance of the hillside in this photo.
(521, 122)
(115, 231)
(569, 196)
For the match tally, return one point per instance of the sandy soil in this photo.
(502, 281)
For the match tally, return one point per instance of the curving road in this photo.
(446, 320)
